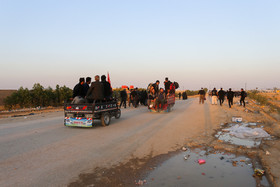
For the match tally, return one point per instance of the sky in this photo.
(197, 43)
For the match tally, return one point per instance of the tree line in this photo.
(38, 96)
(43, 97)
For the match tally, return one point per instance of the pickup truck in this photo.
(83, 115)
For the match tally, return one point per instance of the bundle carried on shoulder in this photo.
(176, 84)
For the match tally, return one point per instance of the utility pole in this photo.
(246, 86)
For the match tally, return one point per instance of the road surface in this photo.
(40, 151)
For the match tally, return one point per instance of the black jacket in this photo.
(123, 94)
(86, 87)
(167, 85)
(221, 93)
(243, 94)
(230, 94)
(107, 89)
(201, 92)
(79, 91)
(214, 93)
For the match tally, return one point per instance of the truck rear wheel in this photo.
(118, 114)
(105, 119)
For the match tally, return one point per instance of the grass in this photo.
(264, 100)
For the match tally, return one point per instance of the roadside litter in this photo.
(259, 172)
(201, 161)
(247, 132)
(244, 134)
(140, 182)
(237, 119)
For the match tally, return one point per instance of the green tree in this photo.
(37, 93)
(65, 94)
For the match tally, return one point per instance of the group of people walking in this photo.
(221, 94)
(133, 96)
(87, 91)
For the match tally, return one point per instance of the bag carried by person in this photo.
(176, 84)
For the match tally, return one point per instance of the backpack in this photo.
(176, 85)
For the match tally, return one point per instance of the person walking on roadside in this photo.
(221, 95)
(123, 98)
(180, 95)
(230, 95)
(214, 94)
(201, 94)
(243, 94)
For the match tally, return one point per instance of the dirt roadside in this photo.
(29, 112)
(126, 172)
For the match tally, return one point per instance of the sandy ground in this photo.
(38, 150)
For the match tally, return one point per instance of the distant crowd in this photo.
(220, 96)
(154, 94)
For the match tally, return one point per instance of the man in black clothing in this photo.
(230, 95)
(156, 86)
(134, 97)
(107, 88)
(79, 89)
(180, 95)
(201, 94)
(167, 84)
(184, 96)
(221, 95)
(243, 94)
(95, 92)
(123, 98)
(86, 85)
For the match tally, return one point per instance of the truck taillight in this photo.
(84, 107)
(69, 107)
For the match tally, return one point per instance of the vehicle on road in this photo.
(83, 115)
(170, 102)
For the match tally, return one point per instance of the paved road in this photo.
(39, 151)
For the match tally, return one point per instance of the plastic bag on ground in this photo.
(246, 132)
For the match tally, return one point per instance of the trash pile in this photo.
(242, 131)
(244, 134)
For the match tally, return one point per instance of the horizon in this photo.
(195, 43)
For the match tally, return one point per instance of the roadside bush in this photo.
(38, 96)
